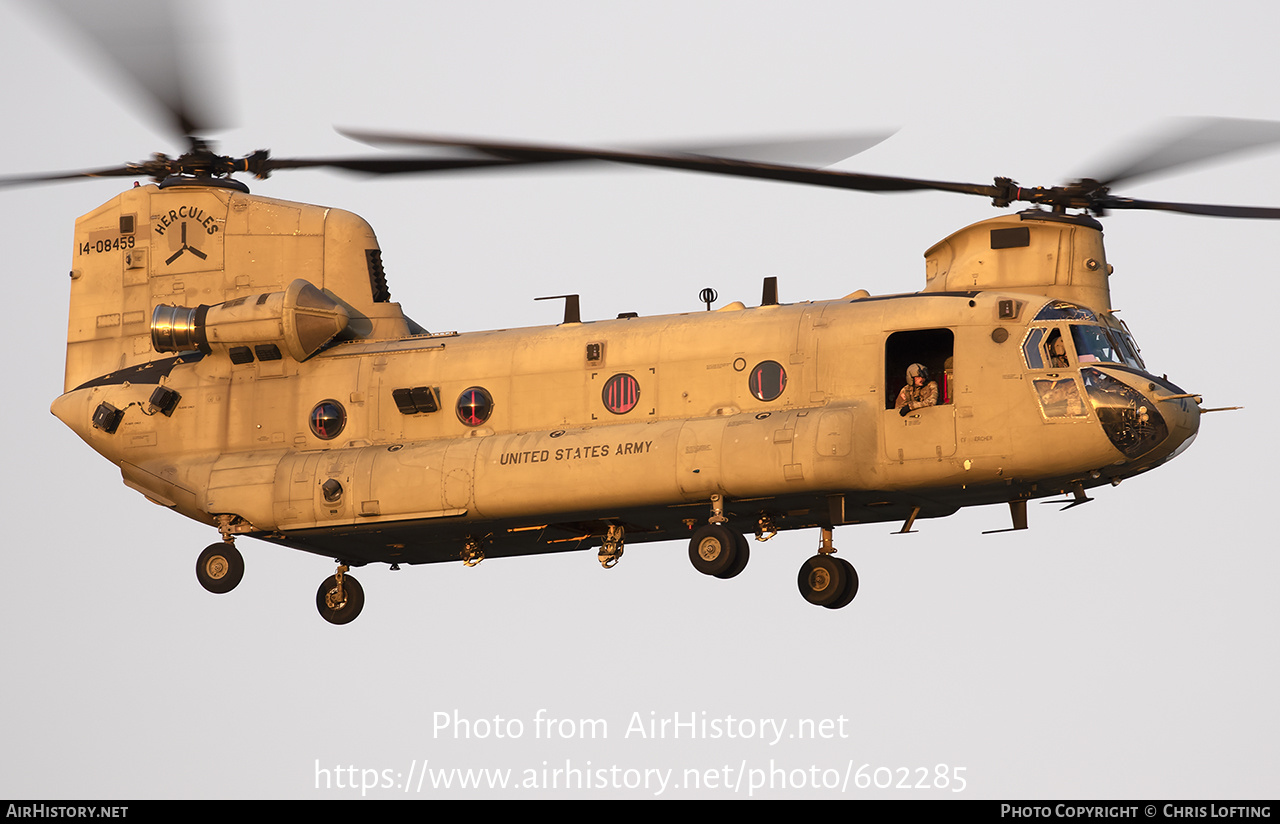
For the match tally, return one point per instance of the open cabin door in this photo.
(927, 433)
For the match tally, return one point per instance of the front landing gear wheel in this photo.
(714, 550)
(340, 605)
(219, 568)
(829, 582)
(742, 554)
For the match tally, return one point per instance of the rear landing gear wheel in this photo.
(826, 581)
(340, 605)
(714, 549)
(219, 568)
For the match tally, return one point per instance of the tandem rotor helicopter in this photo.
(240, 359)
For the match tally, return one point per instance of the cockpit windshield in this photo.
(1097, 338)
(1093, 345)
(1099, 344)
(1044, 347)
(1125, 343)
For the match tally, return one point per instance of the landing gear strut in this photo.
(220, 567)
(611, 547)
(717, 550)
(340, 598)
(825, 580)
(472, 552)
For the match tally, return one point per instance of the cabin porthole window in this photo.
(768, 380)
(621, 394)
(475, 405)
(327, 420)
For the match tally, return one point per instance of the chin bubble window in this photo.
(767, 380)
(475, 405)
(621, 394)
(327, 420)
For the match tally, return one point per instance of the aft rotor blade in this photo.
(690, 162)
(24, 180)
(381, 166)
(263, 166)
(1196, 141)
(145, 41)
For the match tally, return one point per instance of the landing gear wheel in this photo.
(825, 581)
(219, 568)
(850, 586)
(741, 554)
(713, 549)
(340, 609)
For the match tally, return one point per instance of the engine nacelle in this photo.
(300, 319)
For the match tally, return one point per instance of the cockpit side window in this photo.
(1055, 350)
(1060, 398)
(1046, 348)
(1031, 348)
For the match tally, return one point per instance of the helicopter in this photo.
(241, 361)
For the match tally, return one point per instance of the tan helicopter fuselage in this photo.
(389, 444)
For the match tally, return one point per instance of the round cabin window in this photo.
(327, 420)
(621, 394)
(475, 405)
(767, 380)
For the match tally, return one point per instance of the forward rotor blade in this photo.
(1258, 212)
(688, 162)
(1196, 141)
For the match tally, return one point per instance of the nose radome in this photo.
(1149, 420)
(1182, 412)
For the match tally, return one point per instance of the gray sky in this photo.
(1122, 649)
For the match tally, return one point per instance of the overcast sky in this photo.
(1122, 649)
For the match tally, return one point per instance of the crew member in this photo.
(919, 391)
(1057, 351)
